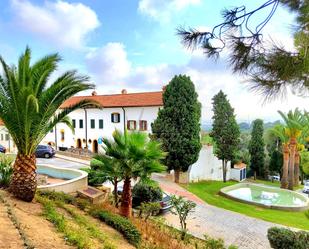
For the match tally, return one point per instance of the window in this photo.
(1, 137)
(115, 117)
(7, 137)
(131, 125)
(74, 123)
(62, 135)
(100, 123)
(92, 123)
(143, 125)
(81, 123)
(51, 131)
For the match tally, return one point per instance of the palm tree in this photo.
(30, 109)
(137, 156)
(280, 132)
(104, 168)
(294, 121)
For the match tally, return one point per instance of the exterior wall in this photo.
(70, 140)
(207, 167)
(6, 140)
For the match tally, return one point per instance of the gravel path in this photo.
(234, 228)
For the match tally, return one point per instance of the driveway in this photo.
(234, 228)
(61, 162)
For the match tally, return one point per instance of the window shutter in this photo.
(112, 117)
(140, 125)
(134, 125)
(128, 125)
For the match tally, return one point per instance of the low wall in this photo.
(77, 179)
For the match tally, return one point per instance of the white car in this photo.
(306, 187)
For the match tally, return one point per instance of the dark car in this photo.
(2, 149)
(45, 151)
(165, 203)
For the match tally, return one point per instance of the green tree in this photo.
(305, 162)
(30, 109)
(225, 130)
(136, 156)
(270, 67)
(178, 124)
(256, 149)
(276, 162)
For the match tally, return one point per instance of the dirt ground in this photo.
(38, 231)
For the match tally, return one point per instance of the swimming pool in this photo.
(265, 196)
(74, 179)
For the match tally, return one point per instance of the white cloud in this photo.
(109, 63)
(112, 71)
(65, 24)
(161, 10)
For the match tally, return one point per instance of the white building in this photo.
(134, 111)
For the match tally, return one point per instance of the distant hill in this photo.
(244, 126)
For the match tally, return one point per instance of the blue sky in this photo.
(132, 44)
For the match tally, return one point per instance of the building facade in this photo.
(131, 111)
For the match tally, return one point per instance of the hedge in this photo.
(284, 238)
(121, 224)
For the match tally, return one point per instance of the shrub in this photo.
(287, 239)
(149, 209)
(145, 192)
(6, 170)
(121, 224)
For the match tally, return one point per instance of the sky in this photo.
(133, 45)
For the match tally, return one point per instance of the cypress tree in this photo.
(256, 148)
(225, 130)
(178, 124)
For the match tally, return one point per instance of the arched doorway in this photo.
(95, 146)
(79, 143)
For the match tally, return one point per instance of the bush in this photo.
(149, 209)
(146, 192)
(284, 238)
(121, 224)
(6, 170)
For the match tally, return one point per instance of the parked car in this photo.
(274, 178)
(2, 149)
(306, 187)
(165, 203)
(45, 151)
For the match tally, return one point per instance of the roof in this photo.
(1, 122)
(240, 166)
(120, 100)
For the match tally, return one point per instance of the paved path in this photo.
(233, 228)
(61, 162)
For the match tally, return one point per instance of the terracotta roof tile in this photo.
(121, 100)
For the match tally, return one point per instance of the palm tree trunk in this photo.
(292, 162)
(285, 167)
(296, 169)
(116, 191)
(23, 183)
(126, 203)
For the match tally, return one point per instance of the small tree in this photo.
(225, 130)
(182, 208)
(256, 148)
(104, 168)
(148, 209)
(178, 124)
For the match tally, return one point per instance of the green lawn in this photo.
(274, 184)
(208, 191)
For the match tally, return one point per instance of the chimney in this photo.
(94, 93)
(124, 91)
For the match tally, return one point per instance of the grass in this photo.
(78, 230)
(208, 191)
(206, 139)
